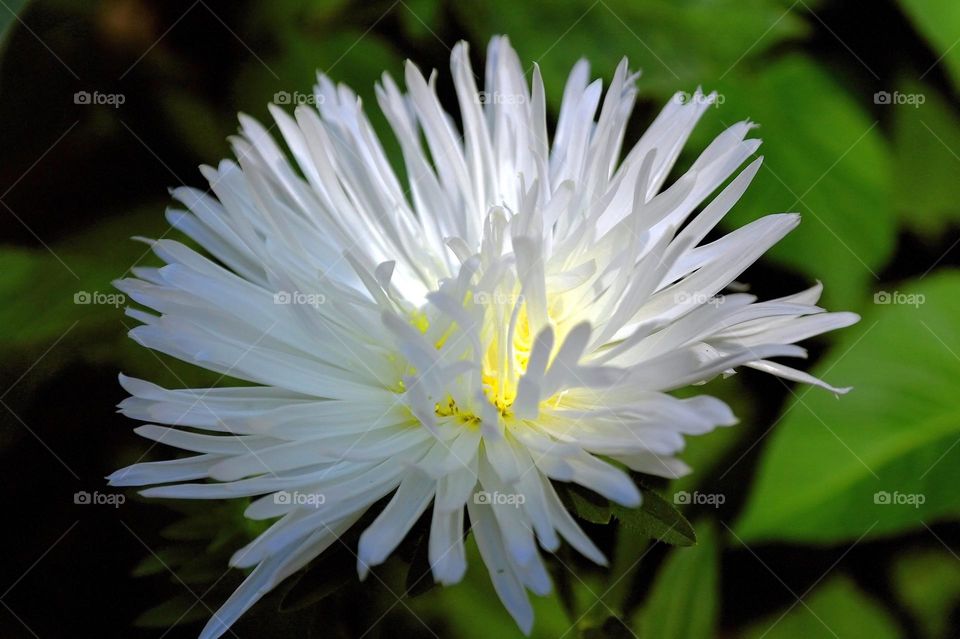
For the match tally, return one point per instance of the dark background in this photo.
(77, 180)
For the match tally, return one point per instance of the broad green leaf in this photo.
(70, 284)
(66, 293)
(939, 22)
(825, 158)
(927, 152)
(663, 39)
(927, 582)
(882, 458)
(835, 610)
(684, 601)
(32, 279)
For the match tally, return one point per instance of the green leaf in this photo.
(179, 610)
(664, 39)
(939, 22)
(656, 518)
(66, 293)
(927, 151)
(8, 18)
(70, 284)
(928, 584)
(825, 158)
(586, 504)
(162, 561)
(684, 601)
(421, 19)
(835, 609)
(883, 458)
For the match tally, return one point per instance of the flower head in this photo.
(513, 316)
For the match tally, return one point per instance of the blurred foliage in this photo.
(685, 599)
(9, 18)
(882, 460)
(664, 39)
(832, 167)
(927, 582)
(875, 178)
(471, 609)
(926, 165)
(655, 518)
(70, 283)
(835, 609)
(937, 20)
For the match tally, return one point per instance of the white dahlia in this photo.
(514, 317)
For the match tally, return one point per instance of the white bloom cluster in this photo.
(515, 317)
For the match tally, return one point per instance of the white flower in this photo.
(515, 316)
